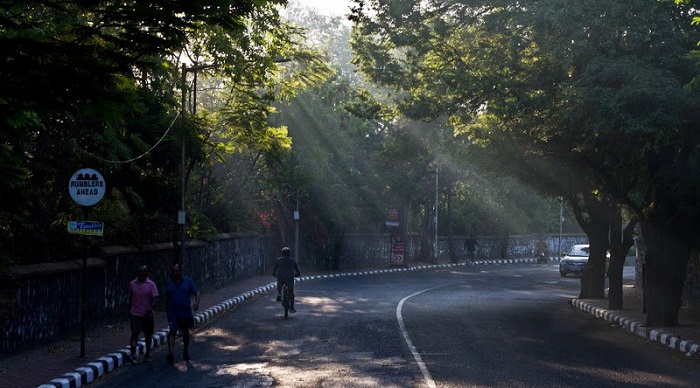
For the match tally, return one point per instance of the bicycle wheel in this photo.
(285, 301)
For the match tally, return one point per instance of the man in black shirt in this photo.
(285, 270)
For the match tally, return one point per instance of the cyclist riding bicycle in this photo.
(470, 247)
(285, 270)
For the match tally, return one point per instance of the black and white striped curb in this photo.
(689, 348)
(97, 368)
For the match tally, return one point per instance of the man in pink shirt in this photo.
(143, 295)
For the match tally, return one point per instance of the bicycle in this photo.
(471, 256)
(286, 299)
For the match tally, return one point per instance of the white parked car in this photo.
(575, 261)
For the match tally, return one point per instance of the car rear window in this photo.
(579, 251)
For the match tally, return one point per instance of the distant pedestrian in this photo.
(542, 251)
(470, 247)
(179, 291)
(143, 295)
(285, 270)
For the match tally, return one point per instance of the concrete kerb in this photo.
(689, 348)
(96, 369)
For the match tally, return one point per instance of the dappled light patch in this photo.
(229, 347)
(222, 339)
(281, 349)
(321, 304)
(247, 374)
(461, 273)
(354, 369)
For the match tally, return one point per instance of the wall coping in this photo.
(230, 236)
(31, 270)
(113, 250)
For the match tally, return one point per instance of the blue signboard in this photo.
(89, 228)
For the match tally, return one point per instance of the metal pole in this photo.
(83, 294)
(183, 114)
(296, 230)
(561, 221)
(181, 214)
(437, 175)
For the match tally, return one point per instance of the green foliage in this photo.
(241, 148)
(534, 86)
(331, 162)
(95, 84)
(265, 121)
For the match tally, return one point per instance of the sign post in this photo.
(397, 244)
(397, 251)
(86, 188)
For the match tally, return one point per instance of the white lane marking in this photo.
(426, 374)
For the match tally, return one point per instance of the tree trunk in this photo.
(593, 279)
(621, 240)
(615, 294)
(665, 265)
(596, 224)
(450, 228)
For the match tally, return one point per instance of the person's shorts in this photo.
(142, 324)
(180, 324)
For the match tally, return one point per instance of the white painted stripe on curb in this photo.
(688, 347)
(77, 380)
(108, 363)
(88, 373)
(61, 382)
(100, 368)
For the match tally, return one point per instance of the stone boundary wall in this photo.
(516, 246)
(40, 303)
(363, 250)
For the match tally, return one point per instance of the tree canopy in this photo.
(603, 91)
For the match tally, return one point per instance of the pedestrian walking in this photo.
(179, 292)
(542, 251)
(143, 294)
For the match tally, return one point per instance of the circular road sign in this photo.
(87, 187)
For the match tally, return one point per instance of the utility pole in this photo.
(437, 178)
(561, 221)
(181, 213)
(296, 230)
(183, 115)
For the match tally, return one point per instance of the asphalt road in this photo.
(495, 326)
